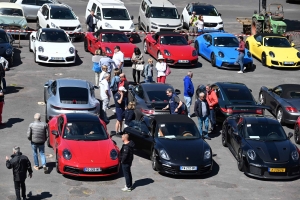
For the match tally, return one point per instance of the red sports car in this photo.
(173, 47)
(106, 40)
(297, 131)
(82, 146)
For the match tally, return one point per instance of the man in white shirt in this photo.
(91, 21)
(105, 94)
(118, 58)
(5, 64)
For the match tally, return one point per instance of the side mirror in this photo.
(250, 90)
(147, 15)
(258, 44)
(54, 133)
(46, 85)
(290, 135)
(145, 134)
(177, 92)
(77, 17)
(235, 132)
(72, 39)
(190, 13)
(207, 43)
(220, 14)
(132, 17)
(45, 16)
(113, 133)
(293, 44)
(33, 38)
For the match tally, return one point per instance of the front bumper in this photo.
(51, 58)
(229, 63)
(276, 63)
(155, 28)
(261, 171)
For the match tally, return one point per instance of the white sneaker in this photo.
(126, 189)
(240, 72)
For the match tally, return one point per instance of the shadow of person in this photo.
(43, 195)
(13, 89)
(10, 122)
(142, 182)
(51, 166)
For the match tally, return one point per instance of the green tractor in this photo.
(270, 21)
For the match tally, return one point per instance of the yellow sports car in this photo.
(273, 50)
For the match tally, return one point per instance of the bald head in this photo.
(125, 137)
(201, 95)
(190, 74)
(37, 116)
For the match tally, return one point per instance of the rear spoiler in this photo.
(230, 109)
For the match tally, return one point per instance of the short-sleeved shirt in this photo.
(118, 58)
(117, 96)
(103, 87)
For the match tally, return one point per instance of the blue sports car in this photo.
(220, 49)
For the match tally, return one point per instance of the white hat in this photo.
(122, 89)
(160, 57)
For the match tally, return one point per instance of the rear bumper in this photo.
(290, 118)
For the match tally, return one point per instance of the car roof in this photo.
(167, 33)
(259, 119)
(162, 3)
(156, 86)
(220, 34)
(68, 82)
(173, 118)
(72, 117)
(231, 84)
(287, 88)
(10, 5)
(268, 35)
(202, 4)
(52, 29)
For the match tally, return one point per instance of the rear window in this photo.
(242, 94)
(73, 95)
(157, 96)
(295, 95)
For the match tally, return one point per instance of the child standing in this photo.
(129, 114)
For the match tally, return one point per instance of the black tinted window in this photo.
(3, 38)
(243, 94)
(157, 96)
(205, 10)
(53, 36)
(73, 95)
(11, 11)
(42, 2)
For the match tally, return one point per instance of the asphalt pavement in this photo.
(25, 96)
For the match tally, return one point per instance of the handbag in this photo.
(139, 67)
(168, 71)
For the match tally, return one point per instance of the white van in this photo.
(111, 14)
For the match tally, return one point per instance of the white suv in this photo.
(158, 15)
(110, 14)
(59, 16)
(212, 19)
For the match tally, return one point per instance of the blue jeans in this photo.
(92, 29)
(41, 148)
(240, 60)
(212, 118)
(3, 83)
(188, 103)
(206, 124)
(148, 79)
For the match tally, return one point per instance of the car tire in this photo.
(296, 134)
(34, 54)
(213, 60)
(247, 46)
(11, 61)
(261, 98)
(57, 165)
(85, 44)
(196, 46)
(48, 143)
(263, 59)
(148, 29)
(224, 136)
(139, 24)
(145, 47)
(279, 115)
(37, 24)
(153, 159)
(240, 161)
(30, 50)
(46, 113)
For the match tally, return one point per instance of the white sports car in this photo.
(51, 45)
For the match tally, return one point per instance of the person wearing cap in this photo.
(105, 95)
(161, 67)
(20, 165)
(120, 100)
(37, 134)
(118, 58)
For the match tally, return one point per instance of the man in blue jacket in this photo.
(188, 91)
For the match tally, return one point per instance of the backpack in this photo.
(96, 67)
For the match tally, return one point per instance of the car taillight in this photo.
(228, 110)
(259, 111)
(55, 107)
(291, 109)
(146, 111)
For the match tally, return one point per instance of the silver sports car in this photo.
(69, 96)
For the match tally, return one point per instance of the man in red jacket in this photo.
(212, 100)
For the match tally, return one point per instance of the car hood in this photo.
(183, 150)
(294, 102)
(229, 52)
(270, 151)
(162, 21)
(212, 19)
(117, 24)
(51, 47)
(126, 48)
(84, 151)
(13, 20)
(66, 23)
(3, 47)
(180, 51)
(283, 54)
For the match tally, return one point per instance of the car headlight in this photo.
(207, 154)
(295, 155)
(53, 25)
(221, 54)
(8, 51)
(271, 53)
(113, 154)
(251, 154)
(108, 50)
(194, 53)
(71, 50)
(153, 24)
(79, 26)
(67, 154)
(298, 54)
(220, 22)
(41, 49)
(132, 26)
(167, 53)
(249, 54)
(108, 25)
(163, 154)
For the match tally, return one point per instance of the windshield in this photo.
(265, 132)
(205, 10)
(173, 40)
(73, 95)
(3, 38)
(62, 13)
(84, 131)
(164, 12)
(11, 12)
(157, 96)
(115, 14)
(242, 94)
(54, 36)
(226, 42)
(276, 42)
(115, 37)
(177, 130)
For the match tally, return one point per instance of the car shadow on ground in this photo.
(10, 122)
(217, 132)
(292, 25)
(43, 195)
(97, 179)
(78, 62)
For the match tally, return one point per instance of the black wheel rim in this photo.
(263, 59)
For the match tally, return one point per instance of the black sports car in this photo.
(174, 144)
(151, 98)
(261, 147)
(6, 47)
(284, 101)
(234, 98)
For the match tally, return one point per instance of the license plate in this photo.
(288, 63)
(57, 58)
(188, 168)
(127, 59)
(91, 169)
(183, 61)
(276, 169)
